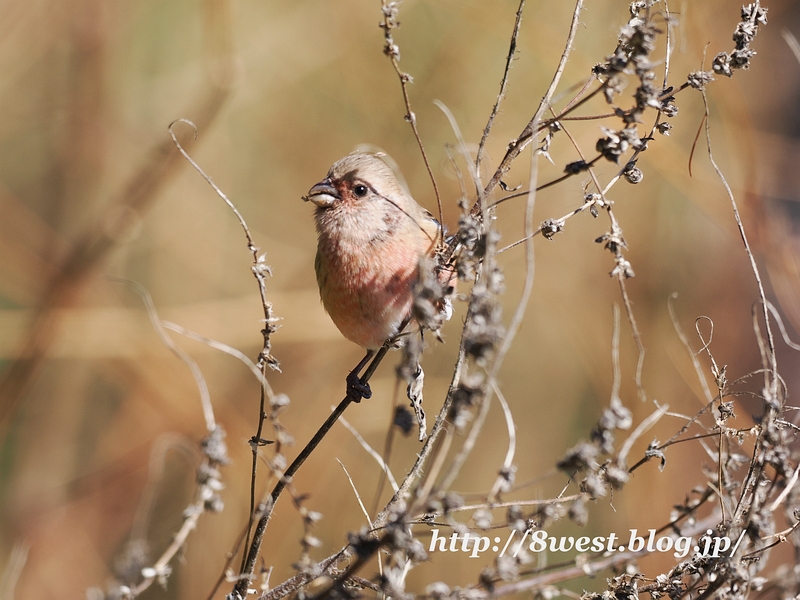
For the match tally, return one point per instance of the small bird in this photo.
(372, 236)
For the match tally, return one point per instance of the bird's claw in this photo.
(356, 389)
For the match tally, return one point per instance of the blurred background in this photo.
(97, 416)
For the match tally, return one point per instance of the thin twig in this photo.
(516, 321)
(388, 444)
(771, 383)
(355, 492)
(512, 50)
(393, 52)
(260, 271)
(243, 583)
(526, 136)
(640, 430)
(685, 341)
(371, 451)
(786, 339)
(773, 403)
(504, 477)
(462, 145)
(619, 273)
(427, 448)
(203, 502)
(561, 221)
(230, 350)
(423, 491)
(615, 366)
(544, 186)
(160, 326)
(295, 583)
(421, 518)
(637, 337)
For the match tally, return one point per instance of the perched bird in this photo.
(372, 236)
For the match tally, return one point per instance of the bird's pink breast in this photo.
(367, 288)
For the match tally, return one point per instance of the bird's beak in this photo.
(323, 194)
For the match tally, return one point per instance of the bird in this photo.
(372, 237)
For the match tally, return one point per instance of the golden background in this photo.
(92, 187)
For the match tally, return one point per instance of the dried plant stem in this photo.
(238, 354)
(460, 458)
(692, 354)
(160, 327)
(353, 487)
(545, 185)
(265, 359)
(621, 275)
(462, 145)
(192, 514)
(207, 487)
(295, 583)
(371, 451)
(771, 381)
(439, 456)
(393, 52)
(615, 366)
(511, 332)
(512, 50)
(674, 439)
(719, 378)
(251, 557)
(421, 518)
(260, 269)
(637, 336)
(586, 205)
(786, 490)
(526, 136)
(640, 430)
(388, 444)
(508, 462)
(335, 588)
(773, 402)
(427, 448)
(577, 98)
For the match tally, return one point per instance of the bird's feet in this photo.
(357, 390)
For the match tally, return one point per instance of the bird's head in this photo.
(357, 180)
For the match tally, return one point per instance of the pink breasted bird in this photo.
(372, 236)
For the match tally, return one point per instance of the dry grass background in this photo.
(89, 87)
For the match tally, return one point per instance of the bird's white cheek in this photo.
(353, 225)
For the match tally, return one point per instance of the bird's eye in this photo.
(360, 190)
